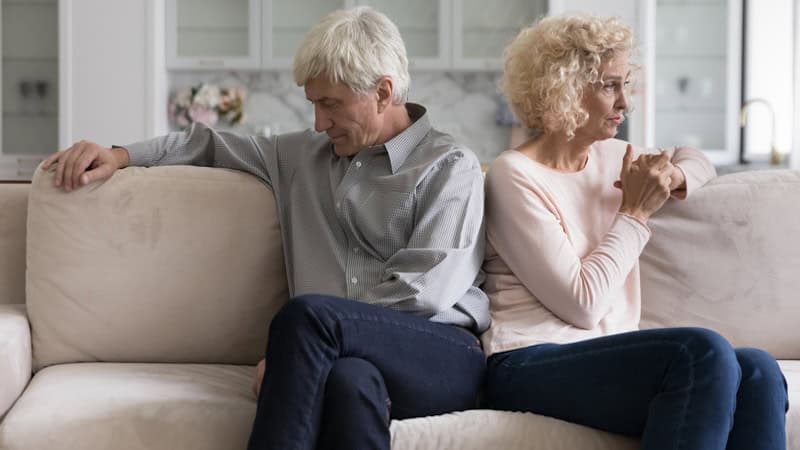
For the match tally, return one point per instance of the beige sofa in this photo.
(147, 298)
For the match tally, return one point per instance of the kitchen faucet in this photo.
(774, 156)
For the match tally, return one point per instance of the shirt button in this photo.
(338, 205)
(358, 163)
(354, 280)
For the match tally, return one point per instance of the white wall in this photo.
(769, 75)
(111, 55)
(795, 161)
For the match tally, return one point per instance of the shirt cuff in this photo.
(140, 154)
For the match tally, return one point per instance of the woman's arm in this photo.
(524, 226)
(696, 168)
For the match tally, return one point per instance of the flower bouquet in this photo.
(208, 104)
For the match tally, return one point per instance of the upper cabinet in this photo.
(264, 34)
(425, 27)
(697, 76)
(284, 23)
(688, 91)
(213, 34)
(479, 38)
(29, 73)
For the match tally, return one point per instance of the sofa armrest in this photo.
(15, 354)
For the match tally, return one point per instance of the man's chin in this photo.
(343, 150)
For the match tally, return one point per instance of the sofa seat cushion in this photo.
(172, 406)
(15, 354)
(96, 406)
(483, 429)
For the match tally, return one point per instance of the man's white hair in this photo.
(357, 47)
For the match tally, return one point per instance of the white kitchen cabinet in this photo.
(284, 23)
(425, 27)
(240, 34)
(483, 28)
(29, 80)
(697, 76)
(203, 34)
(688, 89)
(264, 34)
(638, 15)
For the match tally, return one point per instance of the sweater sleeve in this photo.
(696, 168)
(525, 229)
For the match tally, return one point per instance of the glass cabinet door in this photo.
(483, 28)
(424, 25)
(697, 76)
(213, 34)
(285, 24)
(29, 78)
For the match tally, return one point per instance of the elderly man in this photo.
(382, 225)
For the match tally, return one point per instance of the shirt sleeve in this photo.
(203, 146)
(443, 258)
(525, 230)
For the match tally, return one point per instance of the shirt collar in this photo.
(399, 147)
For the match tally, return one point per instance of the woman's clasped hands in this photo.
(647, 182)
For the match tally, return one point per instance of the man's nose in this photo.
(321, 120)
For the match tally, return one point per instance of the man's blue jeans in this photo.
(338, 371)
(676, 388)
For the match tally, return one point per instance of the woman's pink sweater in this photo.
(561, 261)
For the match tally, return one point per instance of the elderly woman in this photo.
(567, 216)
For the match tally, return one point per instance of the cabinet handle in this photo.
(211, 62)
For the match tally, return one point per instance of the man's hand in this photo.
(85, 162)
(260, 368)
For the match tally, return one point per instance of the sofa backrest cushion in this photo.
(13, 216)
(164, 264)
(728, 258)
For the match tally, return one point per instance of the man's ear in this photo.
(384, 90)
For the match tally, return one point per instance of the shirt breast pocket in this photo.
(388, 221)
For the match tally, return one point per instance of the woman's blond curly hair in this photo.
(550, 63)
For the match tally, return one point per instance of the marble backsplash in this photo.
(462, 104)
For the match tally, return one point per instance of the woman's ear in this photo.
(384, 90)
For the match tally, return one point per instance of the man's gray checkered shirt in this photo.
(398, 225)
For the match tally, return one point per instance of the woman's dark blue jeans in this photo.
(676, 388)
(338, 371)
